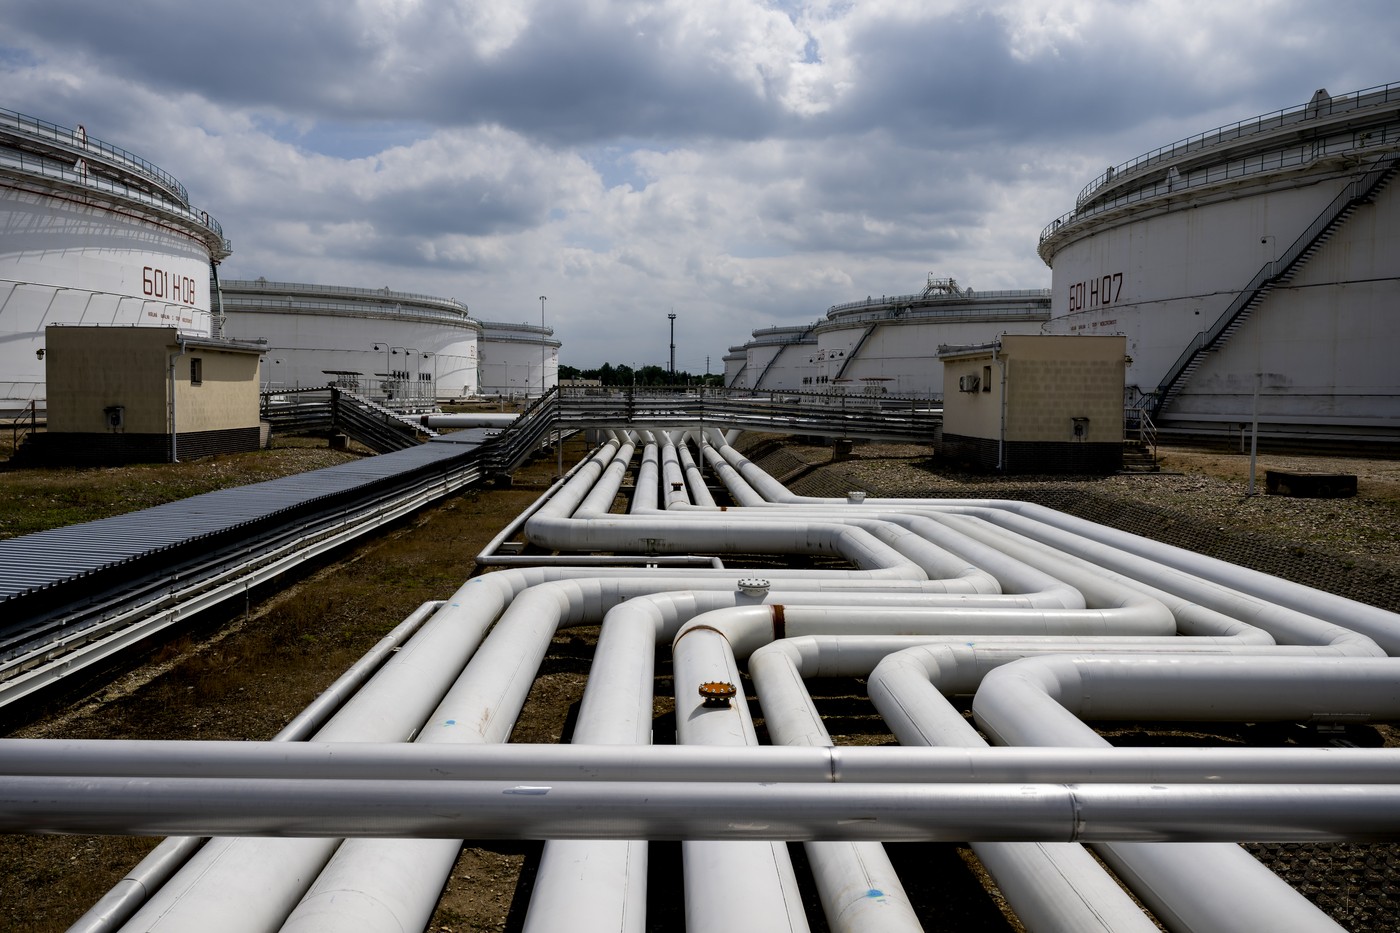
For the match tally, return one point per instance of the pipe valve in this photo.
(717, 693)
(754, 586)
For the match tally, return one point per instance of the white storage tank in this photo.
(518, 360)
(1253, 264)
(398, 347)
(92, 234)
(889, 345)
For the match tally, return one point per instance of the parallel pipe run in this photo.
(992, 595)
(701, 811)
(373, 761)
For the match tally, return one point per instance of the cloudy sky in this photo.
(740, 163)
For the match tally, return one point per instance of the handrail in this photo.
(239, 286)
(1299, 154)
(1344, 103)
(17, 435)
(253, 304)
(919, 299)
(30, 164)
(78, 139)
(961, 313)
(1137, 416)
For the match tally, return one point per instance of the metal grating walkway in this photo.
(53, 558)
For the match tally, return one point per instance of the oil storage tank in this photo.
(92, 234)
(1253, 269)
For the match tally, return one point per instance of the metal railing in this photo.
(857, 415)
(920, 300)
(68, 174)
(1138, 425)
(79, 141)
(253, 303)
(23, 425)
(259, 288)
(865, 416)
(1290, 156)
(1230, 132)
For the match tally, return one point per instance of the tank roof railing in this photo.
(524, 328)
(77, 141)
(915, 301)
(1373, 140)
(960, 313)
(255, 303)
(28, 163)
(793, 330)
(378, 295)
(1265, 123)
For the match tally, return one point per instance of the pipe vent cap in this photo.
(756, 587)
(855, 497)
(717, 693)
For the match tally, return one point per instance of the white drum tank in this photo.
(889, 345)
(518, 360)
(1254, 267)
(92, 234)
(397, 347)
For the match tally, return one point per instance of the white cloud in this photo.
(746, 163)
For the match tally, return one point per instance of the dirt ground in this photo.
(334, 614)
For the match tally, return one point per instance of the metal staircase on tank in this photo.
(1272, 274)
(854, 351)
(795, 343)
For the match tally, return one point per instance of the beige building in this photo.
(1035, 404)
(147, 394)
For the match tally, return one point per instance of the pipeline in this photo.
(1041, 618)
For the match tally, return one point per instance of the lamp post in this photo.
(408, 354)
(375, 346)
(672, 316)
(426, 354)
(1267, 241)
(543, 346)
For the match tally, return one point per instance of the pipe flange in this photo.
(756, 587)
(716, 694)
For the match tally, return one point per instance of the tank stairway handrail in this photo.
(854, 350)
(795, 342)
(1358, 191)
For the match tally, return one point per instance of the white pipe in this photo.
(1181, 884)
(1369, 621)
(804, 764)
(695, 479)
(481, 707)
(859, 888)
(704, 811)
(126, 897)
(728, 885)
(1044, 568)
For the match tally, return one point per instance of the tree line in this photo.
(624, 375)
